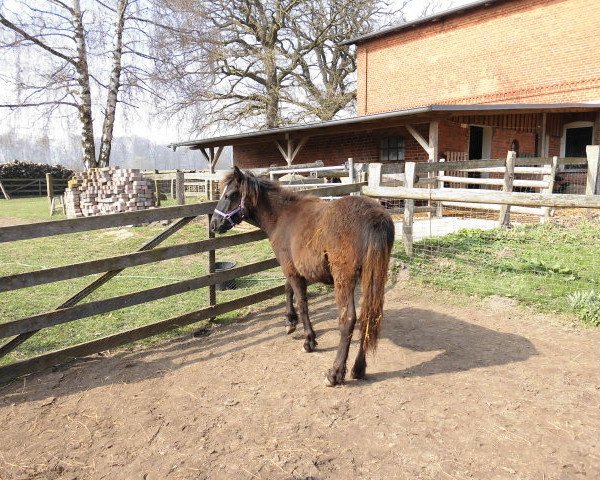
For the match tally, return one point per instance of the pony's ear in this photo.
(238, 174)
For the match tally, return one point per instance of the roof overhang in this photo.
(436, 17)
(412, 116)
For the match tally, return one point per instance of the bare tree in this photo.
(325, 79)
(63, 43)
(266, 63)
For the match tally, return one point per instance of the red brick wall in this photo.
(332, 149)
(526, 51)
(502, 140)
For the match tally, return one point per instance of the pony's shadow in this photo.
(463, 345)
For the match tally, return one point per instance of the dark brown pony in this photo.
(334, 242)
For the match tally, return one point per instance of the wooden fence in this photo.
(504, 201)
(23, 328)
(30, 187)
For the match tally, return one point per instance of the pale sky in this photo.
(141, 122)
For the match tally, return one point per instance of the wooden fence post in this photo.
(374, 179)
(439, 209)
(212, 289)
(179, 187)
(49, 187)
(509, 177)
(593, 161)
(409, 209)
(549, 178)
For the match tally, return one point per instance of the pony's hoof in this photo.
(329, 383)
(309, 346)
(358, 374)
(334, 377)
(290, 328)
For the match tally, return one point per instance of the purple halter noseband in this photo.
(228, 216)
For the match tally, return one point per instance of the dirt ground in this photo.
(458, 389)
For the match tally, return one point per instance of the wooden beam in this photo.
(153, 242)
(282, 151)
(24, 367)
(434, 128)
(65, 315)
(486, 196)
(301, 143)
(66, 272)
(417, 136)
(60, 227)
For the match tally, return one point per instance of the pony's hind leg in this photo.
(291, 316)
(298, 285)
(360, 364)
(344, 296)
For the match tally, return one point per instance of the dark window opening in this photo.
(391, 149)
(576, 139)
(475, 150)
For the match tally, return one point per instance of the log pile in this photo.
(101, 191)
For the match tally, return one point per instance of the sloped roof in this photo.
(436, 17)
(380, 120)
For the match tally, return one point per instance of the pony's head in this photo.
(240, 193)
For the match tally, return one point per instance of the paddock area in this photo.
(459, 388)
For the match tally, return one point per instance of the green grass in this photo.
(540, 265)
(29, 255)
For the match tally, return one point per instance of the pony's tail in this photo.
(374, 276)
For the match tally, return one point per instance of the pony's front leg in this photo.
(298, 285)
(291, 315)
(345, 300)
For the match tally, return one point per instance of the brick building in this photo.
(472, 82)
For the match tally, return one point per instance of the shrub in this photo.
(19, 169)
(586, 306)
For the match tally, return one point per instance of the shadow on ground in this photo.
(463, 346)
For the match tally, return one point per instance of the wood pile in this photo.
(101, 191)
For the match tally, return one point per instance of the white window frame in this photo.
(563, 141)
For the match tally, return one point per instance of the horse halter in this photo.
(228, 216)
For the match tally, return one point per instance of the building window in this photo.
(391, 149)
(576, 136)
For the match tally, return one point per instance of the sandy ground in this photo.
(458, 389)
(438, 227)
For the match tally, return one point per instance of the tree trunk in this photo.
(272, 91)
(83, 79)
(113, 87)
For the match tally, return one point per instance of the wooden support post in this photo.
(212, 289)
(352, 173)
(49, 187)
(179, 187)
(409, 210)
(439, 211)
(173, 188)
(593, 161)
(433, 154)
(509, 178)
(157, 191)
(549, 178)
(374, 179)
(6, 195)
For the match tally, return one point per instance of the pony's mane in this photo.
(251, 187)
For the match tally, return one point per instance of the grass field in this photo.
(28, 255)
(553, 267)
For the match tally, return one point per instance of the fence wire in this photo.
(553, 266)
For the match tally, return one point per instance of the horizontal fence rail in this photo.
(22, 329)
(488, 196)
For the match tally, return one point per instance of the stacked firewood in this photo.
(100, 191)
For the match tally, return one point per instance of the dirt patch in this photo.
(9, 221)
(458, 389)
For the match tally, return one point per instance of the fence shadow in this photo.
(84, 374)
